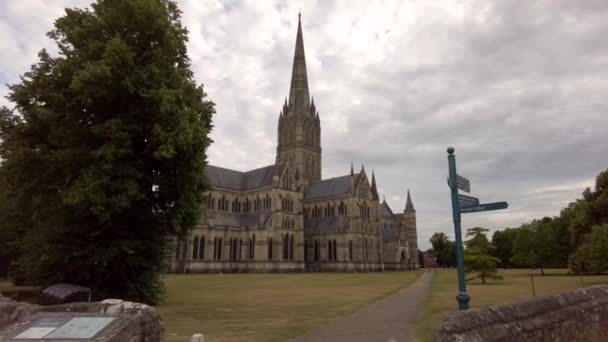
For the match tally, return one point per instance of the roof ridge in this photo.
(328, 179)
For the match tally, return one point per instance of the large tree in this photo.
(443, 249)
(592, 255)
(503, 240)
(105, 150)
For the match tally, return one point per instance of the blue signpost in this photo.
(463, 204)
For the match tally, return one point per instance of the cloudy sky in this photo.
(519, 88)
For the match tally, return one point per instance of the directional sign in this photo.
(484, 207)
(467, 201)
(463, 183)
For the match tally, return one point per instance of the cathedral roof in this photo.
(329, 187)
(236, 180)
(385, 210)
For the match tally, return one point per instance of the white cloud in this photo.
(519, 90)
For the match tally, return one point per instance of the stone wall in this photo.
(578, 315)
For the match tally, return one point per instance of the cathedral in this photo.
(285, 218)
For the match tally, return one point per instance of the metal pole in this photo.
(462, 296)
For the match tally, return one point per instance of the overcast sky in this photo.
(519, 88)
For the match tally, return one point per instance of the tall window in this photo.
(291, 248)
(195, 248)
(201, 249)
(252, 247)
(305, 250)
(350, 250)
(285, 247)
(219, 248)
(335, 249)
(270, 249)
(329, 250)
(240, 249)
(214, 248)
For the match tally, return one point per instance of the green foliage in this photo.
(478, 239)
(104, 154)
(476, 256)
(592, 255)
(443, 249)
(502, 242)
(482, 264)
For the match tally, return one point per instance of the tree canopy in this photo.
(105, 150)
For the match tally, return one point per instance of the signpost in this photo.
(463, 183)
(467, 201)
(463, 204)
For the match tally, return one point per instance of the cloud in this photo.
(518, 88)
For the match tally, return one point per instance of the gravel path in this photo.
(387, 320)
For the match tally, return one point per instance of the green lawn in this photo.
(267, 307)
(515, 286)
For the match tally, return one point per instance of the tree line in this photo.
(576, 239)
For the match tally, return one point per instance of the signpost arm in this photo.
(462, 297)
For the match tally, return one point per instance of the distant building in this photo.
(284, 217)
(428, 259)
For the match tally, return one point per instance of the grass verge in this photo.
(516, 285)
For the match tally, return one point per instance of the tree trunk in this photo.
(483, 279)
(542, 271)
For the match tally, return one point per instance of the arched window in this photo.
(402, 255)
(317, 250)
(231, 250)
(214, 248)
(350, 250)
(195, 248)
(335, 249)
(285, 247)
(291, 248)
(252, 247)
(270, 249)
(201, 249)
(305, 250)
(219, 248)
(329, 251)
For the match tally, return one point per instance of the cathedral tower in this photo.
(299, 129)
(410, 230)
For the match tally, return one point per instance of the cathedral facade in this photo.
(285, 217)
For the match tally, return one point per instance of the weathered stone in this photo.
(578, 315)
(64, 293)
(138, 322)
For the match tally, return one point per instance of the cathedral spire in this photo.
(409, 206)
(299, 100)
(374, 188)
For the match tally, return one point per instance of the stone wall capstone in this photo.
(577, 315)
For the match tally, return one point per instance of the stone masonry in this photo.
(285, 217)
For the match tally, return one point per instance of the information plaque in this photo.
(64, 328)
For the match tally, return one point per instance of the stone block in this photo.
(64, 293)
